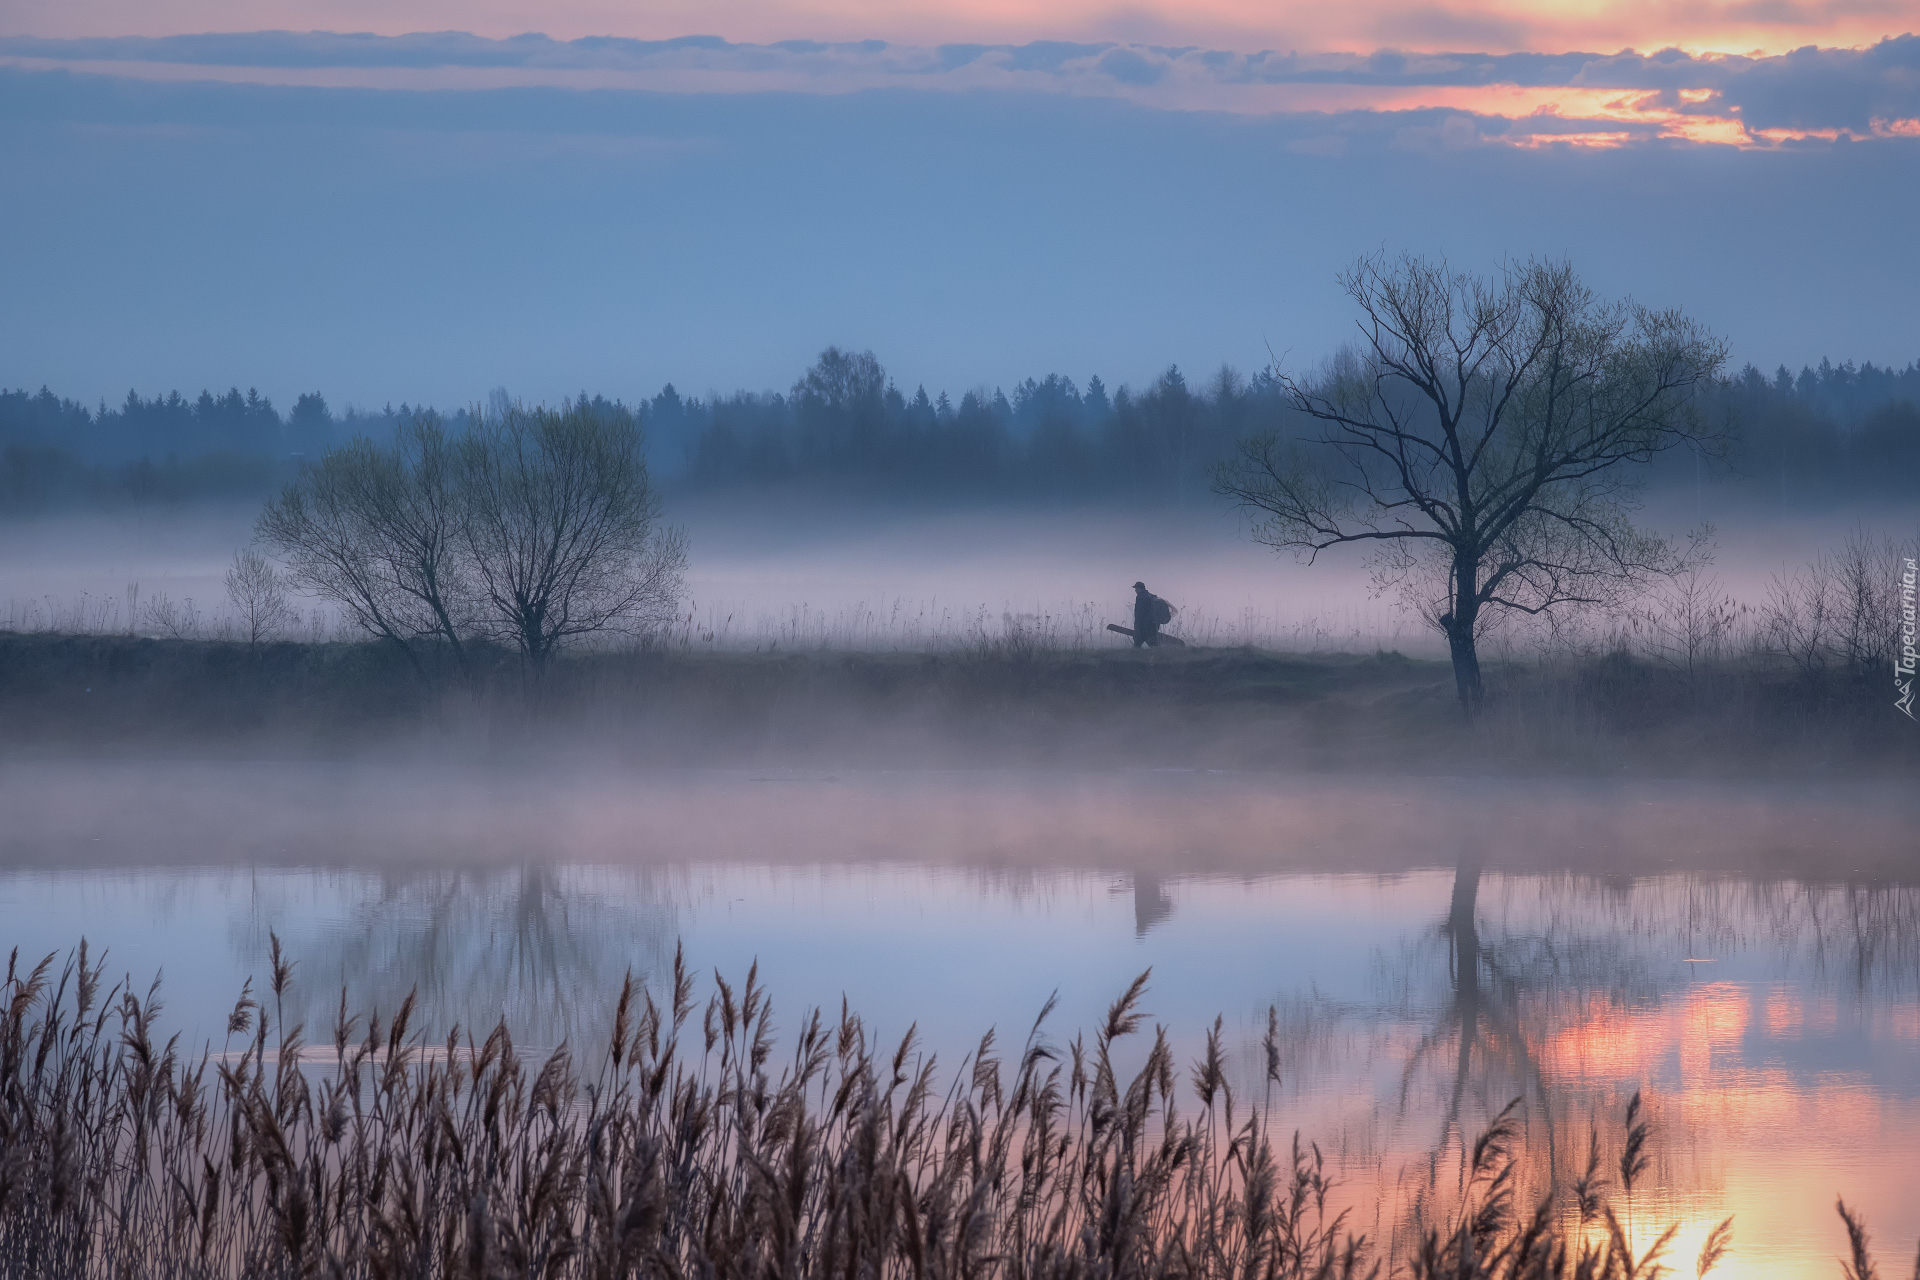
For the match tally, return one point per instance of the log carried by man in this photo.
(1150, 613)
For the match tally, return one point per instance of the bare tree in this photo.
(258, 594)
(374, 530)
(1478, 440)
(1866, 571)
(175, 619)
(560, 528)
(1692, 620)
(1803, 618)
(533, 529)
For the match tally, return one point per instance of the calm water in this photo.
(1433, 949)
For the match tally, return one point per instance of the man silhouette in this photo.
(1149, 612)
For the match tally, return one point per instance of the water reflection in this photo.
(1773, 1022)
(1151, 904)
(1773, 1025)
(543, 947)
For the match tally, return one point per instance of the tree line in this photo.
(1828, 434)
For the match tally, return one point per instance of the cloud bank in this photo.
(1528, 98)
(1505, 26)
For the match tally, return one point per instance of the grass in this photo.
(684, 1147)
(999, 703)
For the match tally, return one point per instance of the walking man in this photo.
(1150, 613)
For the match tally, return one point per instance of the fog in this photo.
(390, 811)
(879, 744)
(803, 572)
(1725, 922)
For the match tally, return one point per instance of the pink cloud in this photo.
(1491, 25)
(1445, 101)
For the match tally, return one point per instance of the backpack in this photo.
(1162, 611)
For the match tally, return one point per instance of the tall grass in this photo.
(160, 615)
(1837, 611)
(902, 625)
(895, 625)
(681, 1148)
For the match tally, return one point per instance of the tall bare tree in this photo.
(561, 528)
(375, 530)
(1480, 438)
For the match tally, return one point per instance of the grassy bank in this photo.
(995, 703)
(687, 1146)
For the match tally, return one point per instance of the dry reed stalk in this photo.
(685, 1153)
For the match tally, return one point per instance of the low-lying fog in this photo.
(802, 573)
(394, 811)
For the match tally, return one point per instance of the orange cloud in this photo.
(1503, 113)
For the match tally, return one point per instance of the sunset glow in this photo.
(1586, 101)
(1502, 26)
(575, 614)
(1718, 1056)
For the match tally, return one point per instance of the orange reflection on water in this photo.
(1785, 1014)
(1613, 1041)
(1740, 1130)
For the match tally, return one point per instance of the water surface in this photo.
(1747, 955)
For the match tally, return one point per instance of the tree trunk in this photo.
(1466, 665)
(1459, 626)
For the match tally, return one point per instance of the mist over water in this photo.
(1745, 953)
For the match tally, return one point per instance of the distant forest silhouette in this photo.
(1825, 435)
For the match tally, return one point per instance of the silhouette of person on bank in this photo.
(1150, 613)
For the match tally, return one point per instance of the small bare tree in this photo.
(561, 529)
(1480, 441)
(375, 530)
(1692, 621)
(258, 595)
(1866, 574)
(1801, 618)
(174, 619)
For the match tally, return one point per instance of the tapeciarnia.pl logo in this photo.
(1903, 664)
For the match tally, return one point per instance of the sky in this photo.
(424, 200)
(1499, 26)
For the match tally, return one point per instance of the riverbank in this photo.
(997, 704)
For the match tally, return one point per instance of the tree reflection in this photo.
(1561, 964)
(544, 947)
(1481, 1020)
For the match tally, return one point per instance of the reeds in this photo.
(683, 1150)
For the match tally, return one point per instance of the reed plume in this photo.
(691, 1146)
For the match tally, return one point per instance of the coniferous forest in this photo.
(1829, 433)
